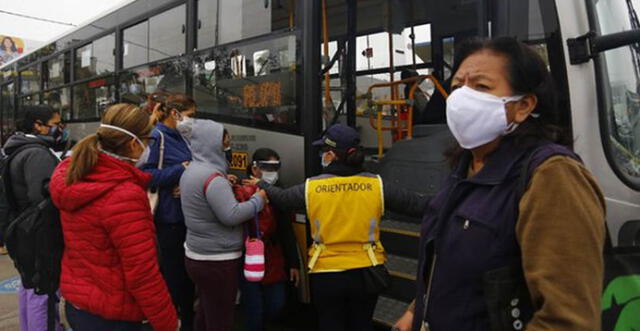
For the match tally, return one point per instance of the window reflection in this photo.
(138, 83)
(30, 80)
(96, 58)
(91, 98)
(56, 72)
(254, 81)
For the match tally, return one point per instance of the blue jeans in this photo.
(81, 320)
(262, 303)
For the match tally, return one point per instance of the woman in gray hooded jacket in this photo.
(213, 217)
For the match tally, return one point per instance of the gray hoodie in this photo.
(214, 220)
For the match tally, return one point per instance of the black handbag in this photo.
(376, 279)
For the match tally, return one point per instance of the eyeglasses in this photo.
(268, 165)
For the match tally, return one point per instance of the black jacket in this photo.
(31, 169)
(396, 199)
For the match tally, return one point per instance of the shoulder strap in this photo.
(6, 173)
(209, 180)
(535, 158)
(161, 157)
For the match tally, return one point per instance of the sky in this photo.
(68, 11)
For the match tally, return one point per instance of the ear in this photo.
(133, 146)
(521, 109)
(332, 156)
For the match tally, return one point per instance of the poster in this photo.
(10, 48)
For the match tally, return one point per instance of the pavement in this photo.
(8, 296)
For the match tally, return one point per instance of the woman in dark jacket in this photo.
(519, 208)
(169, 220)
(344, 206)
(265, 300)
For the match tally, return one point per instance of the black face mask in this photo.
(228, 154)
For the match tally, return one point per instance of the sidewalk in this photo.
(8, 297)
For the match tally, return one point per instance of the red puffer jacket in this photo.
(110, 263)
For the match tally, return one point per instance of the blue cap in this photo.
(339, 136)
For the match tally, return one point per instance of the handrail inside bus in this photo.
(396, 125)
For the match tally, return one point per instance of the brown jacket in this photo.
(561, 232)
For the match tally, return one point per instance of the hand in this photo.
(233, 179)
(252, 181)
(294, 276)
(186, 163)
(263, 195)
(404, 323)
(176, 192)
(156, 114)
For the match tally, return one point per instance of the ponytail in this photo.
(85, 157)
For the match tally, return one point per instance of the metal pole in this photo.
(352, 11)
(311, 116)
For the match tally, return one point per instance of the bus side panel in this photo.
(621, 200)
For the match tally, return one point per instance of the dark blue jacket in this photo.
(176, 151)
(469, 229)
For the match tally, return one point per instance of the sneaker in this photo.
(3, 250)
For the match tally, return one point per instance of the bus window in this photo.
(253, 81)
(56, 72)
(91, 98)
(621, 75)
(226, 21)
(59, 100)
(96, 58)
(167, 36)
(138, 83)
(8, 120)
(30, 80)
(136, 45)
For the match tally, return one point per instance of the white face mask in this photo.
(323, 162)
(477, 118)
(270, 177)
(142, 159)
(185, 126)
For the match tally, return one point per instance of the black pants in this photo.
(341, 301)
(81, 320)
(171, 239)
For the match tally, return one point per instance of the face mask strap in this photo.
(127, 132)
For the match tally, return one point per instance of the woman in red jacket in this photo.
(110, 276)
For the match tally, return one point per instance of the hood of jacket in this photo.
(206, 144)
(20, 139)
(107, 174)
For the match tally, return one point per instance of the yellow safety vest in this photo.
(345, 215)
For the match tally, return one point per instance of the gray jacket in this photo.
(213, 220)
(31, 169)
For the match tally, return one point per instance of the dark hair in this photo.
(13, 44)
(158, 97)
(35, 114)
(353, 157)
(180, 102)
(527, 74)
(261, 154)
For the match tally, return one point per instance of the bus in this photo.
(278, 72)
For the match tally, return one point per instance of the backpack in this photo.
(33, 236)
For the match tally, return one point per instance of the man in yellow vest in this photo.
(344, 206)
